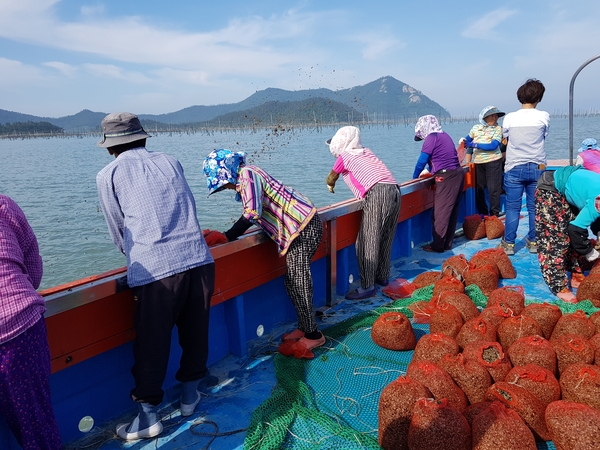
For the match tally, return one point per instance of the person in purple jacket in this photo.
(25, 401)
(439, 154)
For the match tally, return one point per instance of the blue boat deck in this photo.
(237, 386)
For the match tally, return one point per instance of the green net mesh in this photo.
(331, 401)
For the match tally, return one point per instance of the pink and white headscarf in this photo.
(425, 126)
(346, 140)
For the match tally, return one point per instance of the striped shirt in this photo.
(362, 172)
(279, 210)
(151, 215)
(485, 134)
(20, 272)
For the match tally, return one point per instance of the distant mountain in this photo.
(386, 96)
(382, 99)
(83, 121)
(33, 129)
(12, 117)
(314, 111)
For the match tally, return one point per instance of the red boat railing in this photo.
(95, 314)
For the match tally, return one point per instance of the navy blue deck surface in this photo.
(236, 386)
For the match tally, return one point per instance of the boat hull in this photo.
(90, 321)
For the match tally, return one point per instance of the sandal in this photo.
(567, 296)
(302, 348)
(293, 336)
(576, 279)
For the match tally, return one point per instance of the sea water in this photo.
(53, 180)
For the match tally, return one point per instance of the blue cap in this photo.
(589, 144)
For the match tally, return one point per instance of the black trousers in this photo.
(181, 300)
(446, 203)
(489, 175)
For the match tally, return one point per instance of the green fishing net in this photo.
(331, 401)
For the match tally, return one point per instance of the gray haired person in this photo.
(151, 216)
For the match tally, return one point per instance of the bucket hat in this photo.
(488, 111)
(121, 128)
(221, 167)
(589, 144)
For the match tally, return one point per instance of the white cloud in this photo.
(66, 69)
(26, 20)
(131, 39)
(77, 52)
(182, 76)
(111, 71)
(92, 10)
(15, 73)
(485, 27)
(378, 46)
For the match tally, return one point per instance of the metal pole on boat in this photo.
(571, 106)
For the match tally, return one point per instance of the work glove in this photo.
(592, 255)
(331, 179)
(213, 237)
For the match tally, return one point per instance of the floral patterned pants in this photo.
(555, 254)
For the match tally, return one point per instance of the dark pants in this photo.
(25, 389)
(446, 203)
(181, 300)
(489, 175)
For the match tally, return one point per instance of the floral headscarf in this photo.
(346, 140)
(425, 126)
(221, 167)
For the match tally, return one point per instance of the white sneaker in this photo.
(146, 433)
(188, 410)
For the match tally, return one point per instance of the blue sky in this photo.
(59, 57)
